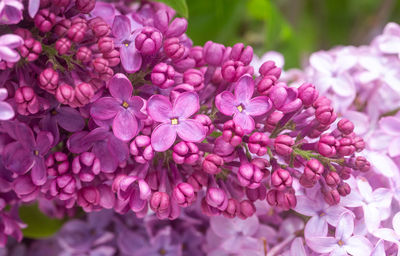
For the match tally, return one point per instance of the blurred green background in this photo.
(295, 28)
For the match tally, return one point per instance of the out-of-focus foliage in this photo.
(293, 27)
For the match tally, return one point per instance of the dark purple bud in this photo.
(332, 197)
(148, 42)
(361, 164)
(344, 189)
(77, 32)
(262, 164)
(313, 170)
(112, 57)
(177, 27)
(173, 48)
(184, 194)
(272, 120)
(99, 27)
(281, 179)
(327, 145)
(100, 65)
(259, 193)
(44, 20)
(212, 164)
(63, 186)
(345, 126)
(258, 142)
(185, 153)
(322, 101)
(325, 114)
(194, 77)
(85, 6)
(206, 122)
(198, 179)
(217, 198)
(62, 27)
(208, 210)
(345, 173)
(83, 54)
(283, 145)
(24, 33)
(84, 92)
(232, 209)
(26, 100)
(65, 94)
(87, 166)
(272, 197)
(249, 175)
(163, 75)
(213, 53)
(185, 63)
(63, 45)
(359, 143)
(233, 70)
(232, 133)
(141, 148)
(265, 84)
(161, 20)
(241, 53)
(287, 200)
(345, 147)
(31, 49)
(48, 80)
(332, 179)
(247, 209)
(159, 201)
(308, 94)
(269, 68)
(105, 44)
(57, 163)
(88, 198)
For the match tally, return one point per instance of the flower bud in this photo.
(272, 120)
(87, 166)
(141, 148)
(344, 189)
(223, 148)
(113, 57)
(345, 126)
(308, 94)
(283, 145)
(148, 42)
(232, 133)
(212, 164)
(177, 27)
(31, 49)
(247, 209)
(57, 163)
(83, 94)
(194, 77)
(345, 173)
(184, 194)
(259, 193)
(197, 180)
(286, 200)
(241, 53)
(281, 179)
(185, 153)
(327, 145)
(232, 209)
(77, 32)
(25, 189)
(163, 75)
(206, 122)
(213, 53)
(65, 94)
(61, 3)
(345, 147)
(325, 114)
(269, 68)
(313, 170)
(26, 99)
(161, 20)
(62, 27)
(217, 198)
(249, 175)
(362, 164)
(196, 53)
(63, 186)
(332, 197)
(44, 20)
(332, 179)
(322, 101)
(83, 54)
(233, 70)
(99, 27)
(85, 6)
(63, 45)
(258, 142)
(359, 143)
(173, 48)
(100, 65)
(159, 201)
(265, 84)
(105, 44)
(48, 80)
(88, 198)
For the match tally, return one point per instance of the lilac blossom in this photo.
(241, 104)
(6, 111)
(8, 43)
(123, 108)
(174, 119)
(11, 11)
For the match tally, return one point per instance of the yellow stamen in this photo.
(240, 108)
(322, 214)
(162, 252)
(36, 152)
(126, 44)
(174, 121)
(125, 104)
(340, 242)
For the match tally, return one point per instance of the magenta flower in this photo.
(122, 108)
(6, 111)
(241, 105)
(131, 59)
(8, 43)
(174, 120)
(10, 11)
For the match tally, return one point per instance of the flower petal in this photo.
(387, 234)
(6, 111)
(225, 103)
(358, 245)
(244, 121)
(390, 125)
(258, 106)
(394, 147)
(191, 130)
(44, 141)
(120, 87)
(297, 247)
(33, 7)
(8, 54)
(70, 119)
(344, 86)
(159, 108)
(345, 227)
(11, 40)
(17, 159)
(125, 125)
(163, 137)
(121, 28)
(38, 172)
(105, 108)
(322, 61)
(244, 89)
(322, 244)
(316, 226)
(131, 59)
(396, 223)
(372, 217)
(186, 105)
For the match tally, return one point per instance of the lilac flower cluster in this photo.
(109, 107)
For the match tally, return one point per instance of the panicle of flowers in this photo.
(112, 107)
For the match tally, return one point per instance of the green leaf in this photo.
(39, 224)
(180, 6)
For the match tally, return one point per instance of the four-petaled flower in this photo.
(122, 108)
(174, 120)
(241, 105)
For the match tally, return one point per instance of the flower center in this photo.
(126, 43)
(340, 242)
(240, 108)
(162, 251)
(125, 104)
(174, 121)
(54, 112)
(36, 152)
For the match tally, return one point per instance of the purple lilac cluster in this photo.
(109, 107)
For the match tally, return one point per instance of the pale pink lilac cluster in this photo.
(109, 106)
